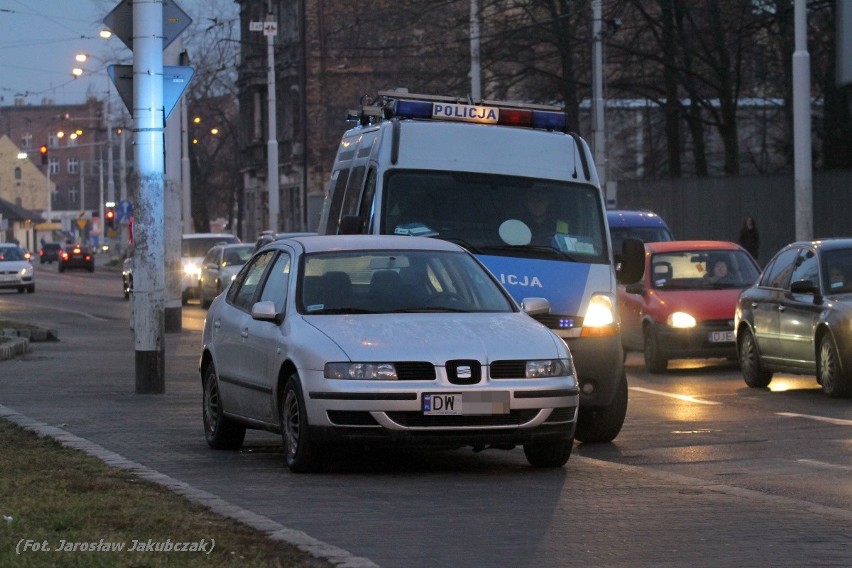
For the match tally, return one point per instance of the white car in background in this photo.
(193, 247)
(15, 270)
(218, 268)
(382, 340)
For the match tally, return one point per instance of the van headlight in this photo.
(600, 320)
(192, 269)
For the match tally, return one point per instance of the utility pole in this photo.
(270, 30)
(802, 161)
(475, 70)
(148, 267)
(598, 127)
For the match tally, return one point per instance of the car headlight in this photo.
(600, 317)
(192, 269)
(27, 271)
(549, 368)
(361, 371)
(681, 320)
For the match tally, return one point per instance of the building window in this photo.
(17, 172)
(26, 141)
(53, 166)
(73, 194)
(52, 140)
(73, 166)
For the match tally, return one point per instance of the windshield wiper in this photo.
(462, 243)
(327, 311)
(541, 249)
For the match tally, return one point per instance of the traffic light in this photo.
(43, 152)
(110, 218)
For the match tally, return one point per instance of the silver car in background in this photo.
(219, 266)
(382, 340)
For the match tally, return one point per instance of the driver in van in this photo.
(540, 219)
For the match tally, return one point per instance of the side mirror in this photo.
(631, 267)
(804, 287)
(350, 225)
(265, 311)
(535, 306)
(635, 288)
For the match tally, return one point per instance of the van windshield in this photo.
(498, 215)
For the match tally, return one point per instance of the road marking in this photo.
(683, 397)
(825, 465)
(837, 421)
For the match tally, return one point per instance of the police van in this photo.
(515, 187)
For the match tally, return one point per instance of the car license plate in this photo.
(5, 278)
(721, 336)
(468, 404)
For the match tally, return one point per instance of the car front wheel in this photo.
(753, 373)
(303, 455)
(221, 432)
(655, 362)
(831, 377)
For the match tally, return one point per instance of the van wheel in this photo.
(550, 454)
(601, 424)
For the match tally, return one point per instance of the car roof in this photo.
(323, 243)
(208, 235)
(675, 246)
(634, 218)
(835, 243)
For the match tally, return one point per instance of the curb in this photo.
(39, 334)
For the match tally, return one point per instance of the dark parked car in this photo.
(49, 252)
(798, 317)
(76, 256)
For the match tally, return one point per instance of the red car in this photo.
(684, 305)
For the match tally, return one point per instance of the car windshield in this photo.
(397, 281)
(644, 234)
(702, 269)
(498, 215)
(11, 253)
(237, 256)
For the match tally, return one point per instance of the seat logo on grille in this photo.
(464, 372)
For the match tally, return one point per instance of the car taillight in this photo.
(64, 256)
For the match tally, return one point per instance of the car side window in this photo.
(211, 258)
(806, 267)
(779, 272)
(277, 283)
(244, 288)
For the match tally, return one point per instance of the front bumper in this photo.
(599, 362)
(394, 415)
(697, 342)
(15, 280)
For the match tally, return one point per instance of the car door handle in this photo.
(244, 333)
(782, 309)
(217, 324)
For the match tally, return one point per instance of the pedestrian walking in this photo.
(750, 237)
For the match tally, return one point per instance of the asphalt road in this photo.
(706, 472)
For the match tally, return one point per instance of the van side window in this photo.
(353, 191)
(365, 210)
(337, 193)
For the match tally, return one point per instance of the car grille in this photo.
(508, 369)
(464, 372)
(718, 325)
(420, 420)
(415, 371)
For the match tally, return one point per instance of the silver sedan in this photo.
(382, 340)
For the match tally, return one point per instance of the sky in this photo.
(39, 39)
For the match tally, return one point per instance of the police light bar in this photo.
(490, 113)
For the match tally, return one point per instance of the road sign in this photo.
(175, 81)
(123, 211)
(120, 21)
(81, 224)
(255, 26)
